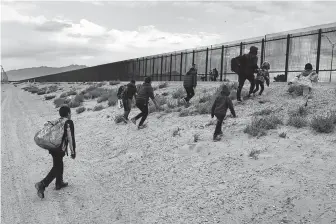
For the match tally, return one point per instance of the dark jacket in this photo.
(222, 103)
(130, 91)
(65, 139)
(248, 65)
(190, 79)
(145, 92)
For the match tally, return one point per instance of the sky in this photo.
(60, 33)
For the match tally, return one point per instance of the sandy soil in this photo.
(125, 175)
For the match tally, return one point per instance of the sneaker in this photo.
(40, 189)
(142, 126)
(239, 100)
(133, 120)
(62, 185)
(216, 138)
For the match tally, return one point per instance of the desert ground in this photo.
(171, 171)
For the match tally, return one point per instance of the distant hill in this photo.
(26, 73)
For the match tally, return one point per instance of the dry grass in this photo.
(196, 137)
(295, 89)
(264, 112)
(259, 126)
(323, 124)
(80, 110)
(178, 93)
(163, 85)
(300, 111)
(98, 108)
(184, 113)
(297, 121)
(113, 83)
(61, 101)
(49, 97)
(254, 154)
(119, 118)
(283, 135)
(112, 100)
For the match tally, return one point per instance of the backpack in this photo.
(51, 135)
(235, 64)
(124, 93)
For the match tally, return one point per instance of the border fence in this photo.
(287, 54)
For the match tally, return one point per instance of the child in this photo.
(305, 79)
(262, 75)
(219, 109)
(145, 92)
(57, 155)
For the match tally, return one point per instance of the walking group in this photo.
(61, 133)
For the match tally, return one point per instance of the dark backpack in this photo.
(235, 64)
(121, 91)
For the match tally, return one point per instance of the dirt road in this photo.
(23, 164)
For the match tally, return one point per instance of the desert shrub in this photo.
(254, 154)
(119, 118)
(52, 89)
(80, 110)
(259, 126)
(98, 107)
(332, 115)
(203, 108)
(196, 137)
(165, 94)
(151, 109)
(32, 89)
(95, 93)
(41, 92)
(163, 85)
(112, 100)
(282, 135)
(184, 113)
(115, 82)
(79, 98)
(168, 110)
(176, 132)
(49, 97)
(205, 98)
(295, 89)
(74, 104)
(60, 101)
(280, 78)
(300, 111)
(297, 121)
(323, 124)
(263, 112)
(100, 84)
(161, 100)
(178, 93)
(71, 93)
(63, 95)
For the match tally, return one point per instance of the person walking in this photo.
(56, 171)
(247, 67)
(145, 92)
(190, 83)
(128, 93)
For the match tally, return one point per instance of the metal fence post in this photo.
(287, 57)
(262, 51)
(171, 66)
(206, 64)
(221, 68)
(181, 65)
(193, 57)
(161, 67)
(153, 73)
(318, 51)
(241, 48)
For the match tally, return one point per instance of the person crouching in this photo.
(219, 109)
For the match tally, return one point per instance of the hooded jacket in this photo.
(131, 91)
(190, 79)
(222, 103)
(145, 92)
(248, 65)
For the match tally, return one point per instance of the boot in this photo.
(40, 189)
(62, 185)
